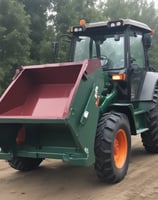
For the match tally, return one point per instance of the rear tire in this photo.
(112, 147)
(150, 138)
(24, 164)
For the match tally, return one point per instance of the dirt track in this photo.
(55, 180)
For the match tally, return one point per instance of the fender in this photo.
(129, 111)
(150, 81)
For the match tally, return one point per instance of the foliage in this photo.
(139, 10)
(45, 46)
(37, 9)
(69, 12)
(14, 38)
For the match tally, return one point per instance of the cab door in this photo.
(137, 64)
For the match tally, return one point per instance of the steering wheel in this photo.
(104, 60)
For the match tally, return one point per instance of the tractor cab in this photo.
(121, 46)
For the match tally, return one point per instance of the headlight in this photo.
(113, 24)
(78, 29)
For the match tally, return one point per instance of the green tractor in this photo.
(84, 111)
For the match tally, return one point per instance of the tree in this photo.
(69, 12)
(14, 38)
(45, 46)
(134, 9)
(37, 9)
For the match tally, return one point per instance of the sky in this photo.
(156, 3)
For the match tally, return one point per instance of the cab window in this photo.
(137, 51)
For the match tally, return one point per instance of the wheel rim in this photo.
(120, 148)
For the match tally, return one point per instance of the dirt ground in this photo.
(55, 180)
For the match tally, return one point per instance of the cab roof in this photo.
(117, 24)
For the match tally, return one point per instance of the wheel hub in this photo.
(120, 148)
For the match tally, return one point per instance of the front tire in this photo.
(24, 164)
(112, 147)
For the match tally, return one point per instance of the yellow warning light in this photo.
(119, 77)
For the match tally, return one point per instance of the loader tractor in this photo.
(84, 111)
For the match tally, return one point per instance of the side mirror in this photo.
(60, 48)
(147, 40)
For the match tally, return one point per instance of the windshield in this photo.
(109, 49)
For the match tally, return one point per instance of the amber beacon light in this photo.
(82, 22)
